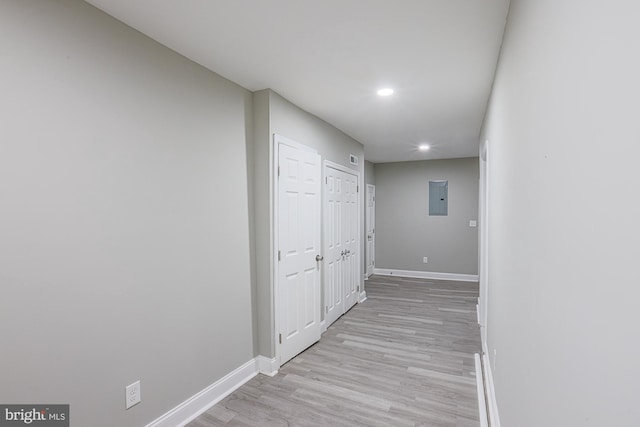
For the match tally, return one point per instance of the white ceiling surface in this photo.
(329, 57)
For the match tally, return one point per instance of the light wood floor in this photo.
(404, 357)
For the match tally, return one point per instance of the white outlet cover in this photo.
(132, 394)
(425, 260)
(473, 223)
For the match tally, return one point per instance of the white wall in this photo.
(564, 143)
(124, 238)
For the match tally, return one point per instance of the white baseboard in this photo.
(482, 404)
(191, 408)
(427, 275)
(485, 348)
(492, 404)
(267, 366)
(362, 297)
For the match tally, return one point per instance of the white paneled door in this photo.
(370, 250)
(298, 269)
(341, 272)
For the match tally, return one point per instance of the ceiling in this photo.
(330, 57)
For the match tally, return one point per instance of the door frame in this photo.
(356, 173)
(366, 218)
(483, 242)
(275, 154)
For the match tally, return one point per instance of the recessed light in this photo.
(385, 91)
(424, 147)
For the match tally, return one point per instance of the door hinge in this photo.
(278, 255)
(278, 171)
(280, 335)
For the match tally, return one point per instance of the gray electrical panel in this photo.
(439, 198)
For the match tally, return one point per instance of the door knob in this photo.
(319, 258)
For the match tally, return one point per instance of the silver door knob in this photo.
(319, 258)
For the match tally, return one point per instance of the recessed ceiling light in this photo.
(385, 91)
(424, 147)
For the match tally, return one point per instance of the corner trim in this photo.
(362, 297)
(191, 408)
(427, 275)
(267, 366)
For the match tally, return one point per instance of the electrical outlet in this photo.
(132, 394)
(425, 260)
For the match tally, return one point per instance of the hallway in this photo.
(402, 358)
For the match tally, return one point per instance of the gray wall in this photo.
(405, 233)
(278, 116)
(369, 173)
(261, 218)
(563, 236)
(124, 248)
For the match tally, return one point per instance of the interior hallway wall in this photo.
(276, 115)
(369, 173)
(405, 232)
(124, 238)
(563, 237)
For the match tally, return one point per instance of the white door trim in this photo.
(361, 295)
(483, 264)
(341, 168)
(273, 177)
(373, 226)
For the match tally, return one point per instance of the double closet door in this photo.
(341, 276)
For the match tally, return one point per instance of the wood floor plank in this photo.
(404, 357)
